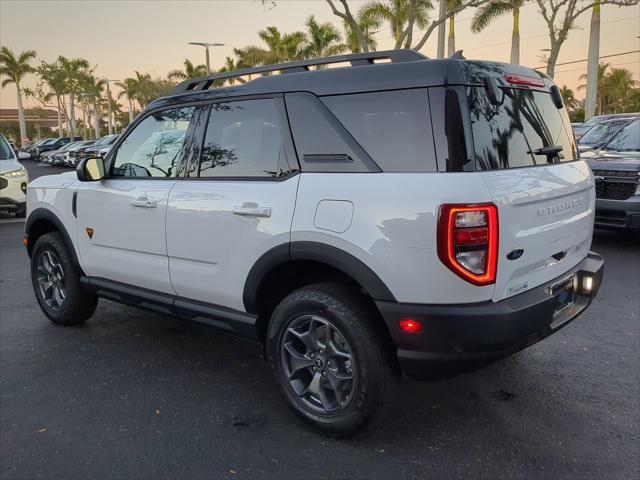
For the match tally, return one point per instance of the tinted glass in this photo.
(322, 143)
(393, 127)
(243, 139)
(627, 139)
(5, 150)
(602, 132)
(507, 135)
(153, 147)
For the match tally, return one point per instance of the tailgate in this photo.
(547, 213)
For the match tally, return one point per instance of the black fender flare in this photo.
(49, 216)
(319, 252)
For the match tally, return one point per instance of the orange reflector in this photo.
(409, 325)
(89, 232)
(25, 241)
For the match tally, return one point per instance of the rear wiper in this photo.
(552, 152)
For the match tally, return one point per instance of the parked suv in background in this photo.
(600, 134)
(13, 181)
(99, 148)
(55, 145)
(617, 170)
(358, 221)
(70, 155)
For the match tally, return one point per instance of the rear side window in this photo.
(393, 127)
(511, 134)
(243, 139)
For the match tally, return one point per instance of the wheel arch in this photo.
(42, 221)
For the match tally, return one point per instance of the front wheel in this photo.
(56, 282)
(329, 357)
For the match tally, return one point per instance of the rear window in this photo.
(393, 127)
(507, 135)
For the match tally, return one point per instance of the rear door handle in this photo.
(143, 202)
(252, 210)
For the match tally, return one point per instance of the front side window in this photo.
(243, 139)
(154, 146)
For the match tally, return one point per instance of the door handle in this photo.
(143, 202)
(252, 210)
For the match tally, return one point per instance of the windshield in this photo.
(6, 153)
(524, 129)
(592, 121)
(626, 140)
(602, 132)
(48, 141)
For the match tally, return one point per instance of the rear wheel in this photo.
(56, 282)
(329, 357)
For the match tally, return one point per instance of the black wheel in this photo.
(329, 357)
(56, 282)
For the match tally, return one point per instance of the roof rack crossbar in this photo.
(356, 59)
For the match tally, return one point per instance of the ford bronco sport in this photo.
(395, 214)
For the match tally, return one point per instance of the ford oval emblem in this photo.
(515, 254)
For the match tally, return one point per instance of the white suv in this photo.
(13, 181)
(405, 215)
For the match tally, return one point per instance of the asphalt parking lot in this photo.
(134, 394)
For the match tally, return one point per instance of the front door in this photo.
(121, 219)
(238, 203)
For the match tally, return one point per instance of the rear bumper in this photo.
(618, 214)
(456, 334)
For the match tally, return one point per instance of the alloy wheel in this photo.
(50, 277)
(318, 364)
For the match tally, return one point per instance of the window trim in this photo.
(285, 129)
(109, 159)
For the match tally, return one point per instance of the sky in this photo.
(122, 36)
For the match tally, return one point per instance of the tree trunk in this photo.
(60, 134)
(553, 58)
(23, 125)
(442, 14)
(96, 120)
(515, 37)
(592, 65)
(451, 45)
(72, 114)
(130, 111)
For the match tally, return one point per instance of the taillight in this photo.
(523, 80)
(468, 241)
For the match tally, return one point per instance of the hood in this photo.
(627, 161)
(9, 165)
(61, 180)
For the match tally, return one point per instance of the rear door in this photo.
(237, 202)
(524, 147)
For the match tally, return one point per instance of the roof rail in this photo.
(356, 59)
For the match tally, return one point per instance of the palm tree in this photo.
(451, 41)
(282, 48)
(397, 14)
(230, 65)
(77, 72)
(494, 9)
(190, 71)
(15, 68)
(323, 39)
(128, 89)
(93, 88)
(367, 27)
(617, 86)
(569, 98)
(54, 76)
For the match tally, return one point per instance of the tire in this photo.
(52, 269)
(299, 361)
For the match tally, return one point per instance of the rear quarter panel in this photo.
(393, 227)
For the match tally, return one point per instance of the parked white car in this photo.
(13, 181)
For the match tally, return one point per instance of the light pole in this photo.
(110, 121)
(206, 45)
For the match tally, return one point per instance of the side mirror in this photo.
(91, 169)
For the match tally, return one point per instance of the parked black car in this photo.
(31, 148)
(73, 152)
(55, 145)
(601, 133)
(617, 172)
(98, 148)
